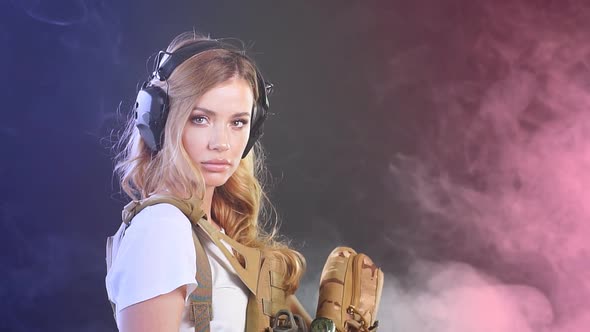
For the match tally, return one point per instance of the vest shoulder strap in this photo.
(190, 209)
(201, 312)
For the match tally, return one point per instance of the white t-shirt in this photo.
(157, 255)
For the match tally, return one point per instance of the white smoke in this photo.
(453, 297)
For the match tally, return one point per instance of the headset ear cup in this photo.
(150, 115)
(256, 130)
(259, 112)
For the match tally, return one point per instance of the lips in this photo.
(217, 162)
(216, 166)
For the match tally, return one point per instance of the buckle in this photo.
(358, 320)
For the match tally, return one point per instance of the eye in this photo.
(240, 123)
(198, 119)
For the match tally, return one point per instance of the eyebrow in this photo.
(212, 113)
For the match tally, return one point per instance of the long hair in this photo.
(236, 205)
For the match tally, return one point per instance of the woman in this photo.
(214, 103)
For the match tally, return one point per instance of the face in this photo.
(217, 130)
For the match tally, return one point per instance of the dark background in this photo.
(69, 66)
(357, 86)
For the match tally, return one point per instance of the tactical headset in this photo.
(152, 103)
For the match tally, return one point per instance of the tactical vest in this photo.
(262, 274)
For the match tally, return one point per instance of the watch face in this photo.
(322, 324)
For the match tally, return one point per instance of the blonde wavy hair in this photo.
(241, 201)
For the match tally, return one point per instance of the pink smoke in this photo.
(509, 165)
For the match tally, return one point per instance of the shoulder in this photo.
(158, 241)
(158, 233)
(160, 220)
(160, 229)
(162, 214)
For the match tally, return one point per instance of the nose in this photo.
(219, 140)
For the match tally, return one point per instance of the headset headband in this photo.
(172, 60)
(167, 62)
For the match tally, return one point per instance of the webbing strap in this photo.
(201, 310)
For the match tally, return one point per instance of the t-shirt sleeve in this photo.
(156, 256)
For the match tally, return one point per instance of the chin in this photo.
(215, 181)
